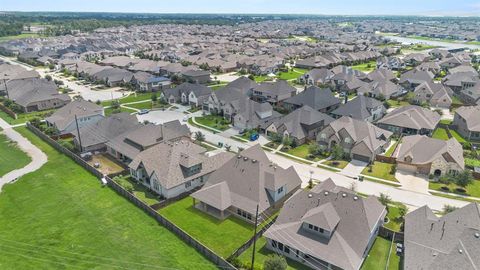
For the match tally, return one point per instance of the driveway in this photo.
(412, 182)
(160, 117)
(354, 168)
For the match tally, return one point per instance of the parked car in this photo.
(143, 111)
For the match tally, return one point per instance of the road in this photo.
(78, 89)
(38, 157)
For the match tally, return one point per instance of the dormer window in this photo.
(315, 228)
(280, 190)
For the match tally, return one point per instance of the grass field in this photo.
(378, 255)
(131, 98)
(223, 237)
(60, 217)
(396, 103)
(21, 36)
(149, 105)
(11, 157)
(381, 170)
(292, 74)
(394, 218)
(392, 148)
(472, 190)
(441, 134)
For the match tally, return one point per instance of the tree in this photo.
(448, 209)
(275, 262)
(48, 77)
(402, 211)
(228, 147)
(314, 149)
(385, 200)
(199, 136)
(287, 141)
(154, 97)
(463, 179)
(337, 152)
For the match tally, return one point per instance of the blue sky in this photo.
(340, 7)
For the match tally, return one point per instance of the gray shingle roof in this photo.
(80, 108)
(358, 108)
(412, 116)
(315, 98)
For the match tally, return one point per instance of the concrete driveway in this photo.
(412, 182)
(160, 117)
(354, 168)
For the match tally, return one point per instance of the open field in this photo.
(11, 157)
(72, 222)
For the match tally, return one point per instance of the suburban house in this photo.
(436, 94)
(410, 120)
(273, 93)
(317, 76)
(126, 146)
(328, 227)
(361, 108)
(245, 113)
(146, 82)
(187, 93)
(85, 112)
(448, 242)
(428, 156)
(467, 122)
(113, 76)
(300, 125)
(196, 76)
(383, 89)
(415, 77)
(94, 136)
(172, 168)
(321, 100)
(35, 94)
(361, 140)
(244, 182)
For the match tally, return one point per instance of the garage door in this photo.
(407, 168)
(361, 158)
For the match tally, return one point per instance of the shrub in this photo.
(275, 262)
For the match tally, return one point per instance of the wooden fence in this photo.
(8, 111)
(385, 159)
(202, 249)
(391, 235)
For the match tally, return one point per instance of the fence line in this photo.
(7, 110)
(202, 249)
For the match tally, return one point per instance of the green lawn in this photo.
(446, 122)
(472, 190)
(109, 111)
(131, 98)
(378, 256)
(457, 136)
(149, 105)
(11, 157)
(213, 121)
(470, 162)
(397, 103)
(292, 74)
(441, 134)
(261, 254)
(366, 67)
(21, 36)
(223, 237)
(394, 219)
(381, 170)
(302, 152)
(392, 148)
(139, 190)
(340, 164)
(25, 117)
(60, 217)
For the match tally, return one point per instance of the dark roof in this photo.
(315, 98)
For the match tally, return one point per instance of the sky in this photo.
(325, 7)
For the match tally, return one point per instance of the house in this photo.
(300, 125)
(467, 122)
(328, 227)
(146, 82)
(126, 146)
(113, 76)
(415, 59)
(359, 139)
(384, 89)
(34, 94)
(187, 93)
(392, 63)
(410, 120)
(321, 100)
(94, 136)
(436, 94)
(273, 93)
(196, 76)
(317, 76)
(448, 242)
(173, 168)
(361, 108)
(244, 182)
(380, 74)
(245, 113)
(75, 114)
(415, 77)
(428, 156)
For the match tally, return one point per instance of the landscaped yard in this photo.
(59, 217)
(223, 237)
(149, 105)
(139, 190)
(472, 163)
(213, 121)
(441, 134)
(392, 148)
(378, 256)
(110, 111)
(340, 164)
(397, 103)
(366, 67)
(303, 152)
(472, 190)
(11, 157)
(446, 121)
(131, 98)
(24, 117)
(395, 221)
(457, 136)
(292, 74)
(381, 170)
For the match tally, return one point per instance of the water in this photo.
(446, 45)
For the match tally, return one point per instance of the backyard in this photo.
(222, 236)
(366, 67)
(381, 170)
(11, 157)
(24, 117)
(392, 148)
(292, 74)
(441, 134)
(213, 121)
(73, 222)
(139, 190)
(378, 256)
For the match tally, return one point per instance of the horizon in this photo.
(427, 8)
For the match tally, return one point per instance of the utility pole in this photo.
(78, 132)
(254, 238)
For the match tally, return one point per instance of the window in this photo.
(274, 243)
(286, 249)
(280, 190)
(188, 184)
(320, 230)
(310, 226)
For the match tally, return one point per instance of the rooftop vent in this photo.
(326, 193)
(460, 251)
(245, 158)
(239, 157)
(477, 235)
(310, 195)
(344, 195)
(254, 161)
(355, 198)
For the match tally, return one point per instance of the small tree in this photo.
(275, 262)
(337, 152)
(240, 149)
(287, 141)
(314, 149)
(154, 97)
(385, 200)
(48, 77)
(228, 147)
(199, 136)
(463, 179)
(402, 211)
(448, 209)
